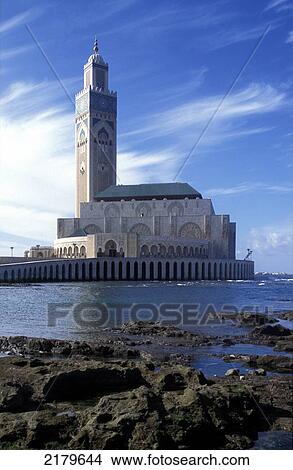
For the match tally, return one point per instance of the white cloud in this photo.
(289, 39)
(270, 240)
(36, 161)
(135, 167)
(247, 188)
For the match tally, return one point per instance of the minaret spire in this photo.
(96, 47)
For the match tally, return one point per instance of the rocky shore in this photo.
(127, 390)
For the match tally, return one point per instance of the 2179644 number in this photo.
(72, 459)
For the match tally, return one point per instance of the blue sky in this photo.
(171, 63)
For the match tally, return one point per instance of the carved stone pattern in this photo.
(123, 224)
(173, 225)
(112, 211)
(175, 208)
(190, 230)
(157, 225)
(143, 208)
(140, 229)
(207, 227)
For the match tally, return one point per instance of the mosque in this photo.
(151, 231)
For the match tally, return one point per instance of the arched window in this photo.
(103, 137)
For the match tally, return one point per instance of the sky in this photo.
(219, 69)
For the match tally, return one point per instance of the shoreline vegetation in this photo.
(128, 389)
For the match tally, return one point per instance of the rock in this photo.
(36, 363)
(179, 378)
(128, 420)
(268, 362)
(102, 347)
(288, 315)
(275, 363)
(228, 342)
(285, 344)
(87, 402)
(85, 382)
(271, 330)
(232, 372)
(254, 319)
(150, 328)
(207, 414)
(13, 396)
(257, 372)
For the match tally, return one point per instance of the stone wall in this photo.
(95, 269)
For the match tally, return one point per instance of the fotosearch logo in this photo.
(103, 315)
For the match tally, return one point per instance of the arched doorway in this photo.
(128, 271)
(189, 271)
(90, 271)
(143, 271)
(113, 271)
(175, 271)
(120, 271)
(209, 272)
(105, 271)
(182, 272)
(82, 252)
(110, 248)
(203, 273)
(151, 270)
(159, 270)
(135, 276)
(167, 271)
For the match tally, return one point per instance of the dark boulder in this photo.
(271, 330)
(90, 381)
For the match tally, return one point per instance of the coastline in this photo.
(131, 388)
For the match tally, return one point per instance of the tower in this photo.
(95, 131)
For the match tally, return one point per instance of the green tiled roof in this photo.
(78, 233)
(148, 191)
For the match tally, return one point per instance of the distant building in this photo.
(40, 252)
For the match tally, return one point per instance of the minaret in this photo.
(95, 131)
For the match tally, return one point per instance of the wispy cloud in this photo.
(18, 20)
(19, 243)
(15, 51)
(248, 188)
(228, 36)
(289, 39)
(279, 5)
(190, 116)
(197, 78)
(162, 19)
